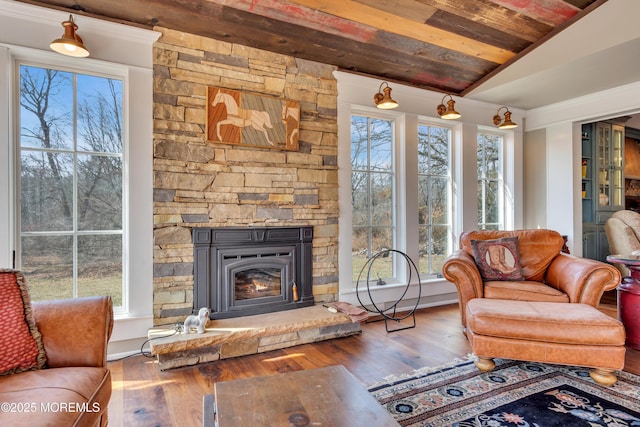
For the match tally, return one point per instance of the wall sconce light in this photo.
(448, 112)
(384, 102)
(70, 43)
(507, 123)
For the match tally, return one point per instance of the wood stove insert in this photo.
(246, 271)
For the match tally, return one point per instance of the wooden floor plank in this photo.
(145, 403)
(145, 396)
(116, 404)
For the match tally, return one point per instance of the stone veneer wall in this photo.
(199, 183)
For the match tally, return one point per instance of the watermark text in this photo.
(22, 407)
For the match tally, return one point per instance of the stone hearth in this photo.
(241, 336)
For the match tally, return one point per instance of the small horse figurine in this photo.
(236, 116)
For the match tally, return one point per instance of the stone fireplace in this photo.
(199, 183)
(241, 271)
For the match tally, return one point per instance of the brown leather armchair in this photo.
(549, 274)
(74, 388)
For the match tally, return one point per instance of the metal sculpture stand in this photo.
(393, 316)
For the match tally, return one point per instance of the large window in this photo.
(70, 153)
(434, 197)
(372, 194)
(375, 176)
(490, 182)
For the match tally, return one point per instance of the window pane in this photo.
(381, 199)
(359, 143)
(100, 266)
(480, 204)
(382, 267)
(99, 192)
(359, 198)
(439, 204)
(381, 149)
(433, 201)
(48, 266)
(492, 207)
(434, 248)
(359, 249)
(99, 114)
(46, 108)
(433, 150)
(439, 248)
(423, 199)
(46, 191)
(423, 149)
(382, 239)
(439, 151)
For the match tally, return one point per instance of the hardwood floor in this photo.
(145, 396)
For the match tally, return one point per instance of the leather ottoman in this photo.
(548, 332)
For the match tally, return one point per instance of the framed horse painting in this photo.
(235, 117)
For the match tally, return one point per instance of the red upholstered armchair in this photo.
(547, 274)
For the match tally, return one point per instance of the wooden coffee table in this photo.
(329, 397)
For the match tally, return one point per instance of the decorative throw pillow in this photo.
(21, 347)
(498, 259)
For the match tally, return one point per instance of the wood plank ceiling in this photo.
(444, 45)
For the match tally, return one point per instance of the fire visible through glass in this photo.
(258, 283)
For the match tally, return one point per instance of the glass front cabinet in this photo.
(610, 159)
(602, 183)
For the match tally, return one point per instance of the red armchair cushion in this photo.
(498, 259)
(21, 347)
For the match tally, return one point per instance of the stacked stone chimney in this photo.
(198, 183)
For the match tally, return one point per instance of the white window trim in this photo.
(135, 63)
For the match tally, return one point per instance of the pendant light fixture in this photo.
(70, 43)
(449, 112)
(507, 123)
(384, 102)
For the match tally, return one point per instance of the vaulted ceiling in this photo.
(445, 45)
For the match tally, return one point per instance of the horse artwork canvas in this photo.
(235, 117)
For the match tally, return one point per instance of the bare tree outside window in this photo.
(70, 186)
(372, 179)
(434, 195)
(490, 183)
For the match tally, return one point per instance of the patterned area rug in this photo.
(514, 394)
